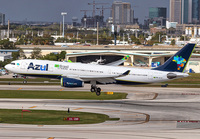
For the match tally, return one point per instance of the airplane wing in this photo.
(104, 78)
(116, 63)
(99, 78)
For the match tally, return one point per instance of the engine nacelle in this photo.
(171, 76)
(70, 82)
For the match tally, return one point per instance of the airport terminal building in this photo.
(6, 54)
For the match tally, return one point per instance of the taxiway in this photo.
(162, 113)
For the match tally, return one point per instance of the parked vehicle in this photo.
(64, 46)
(86, 45)
(3, 72)
(15, 75)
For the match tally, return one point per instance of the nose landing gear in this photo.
(25, 81)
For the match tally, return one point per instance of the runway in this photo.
(161, 113)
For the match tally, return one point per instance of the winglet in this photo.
(116, 63)
(69, 61)
(126, 73)
(126, 57)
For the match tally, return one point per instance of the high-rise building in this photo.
(185, 11)
(2, 19)
(158, 15)
(195, 11)
(92, 21)
(157, 12)
(122, 13)
(175, 11)
(198, 10)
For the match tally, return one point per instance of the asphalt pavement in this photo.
(149, 112)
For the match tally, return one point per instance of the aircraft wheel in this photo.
(98, 89)
(92, 90)
(98, 93)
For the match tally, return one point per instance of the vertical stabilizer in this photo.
(178, 62)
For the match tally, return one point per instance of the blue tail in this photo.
(178, 62)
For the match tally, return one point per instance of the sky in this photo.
(50, 10)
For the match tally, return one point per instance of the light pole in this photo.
(63, 14)
(85, 20)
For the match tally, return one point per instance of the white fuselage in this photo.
(57, 69)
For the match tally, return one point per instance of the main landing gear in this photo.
(96, 89)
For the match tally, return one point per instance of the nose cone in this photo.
(7, 67)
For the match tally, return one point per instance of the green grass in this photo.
(58, 95)
(47, 117)
(194, 78)
(193, 81)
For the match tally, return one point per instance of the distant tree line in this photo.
(36, 53)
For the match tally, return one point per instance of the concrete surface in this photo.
(148, 113)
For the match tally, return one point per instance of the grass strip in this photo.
(59, 95)
(49, 117)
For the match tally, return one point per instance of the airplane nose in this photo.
(7, 66)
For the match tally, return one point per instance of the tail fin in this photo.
(178, 62)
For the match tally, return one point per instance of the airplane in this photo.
(98, 61)
(75, 74)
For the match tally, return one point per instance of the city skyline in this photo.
(49, 10)
(184, 11)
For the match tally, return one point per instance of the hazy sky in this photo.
(49, 10)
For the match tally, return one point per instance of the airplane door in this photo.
(50, 69)
(150, 76)
(23, 65)
(109, 71)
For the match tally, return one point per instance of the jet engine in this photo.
(171, 76)
(70, 82)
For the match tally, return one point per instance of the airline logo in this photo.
(180, 62)
(62, 67)
(38, 67)
(18, 64)
(56, 66)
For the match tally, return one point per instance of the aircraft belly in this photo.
(132, 79)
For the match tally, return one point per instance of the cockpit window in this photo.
(12, 63)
